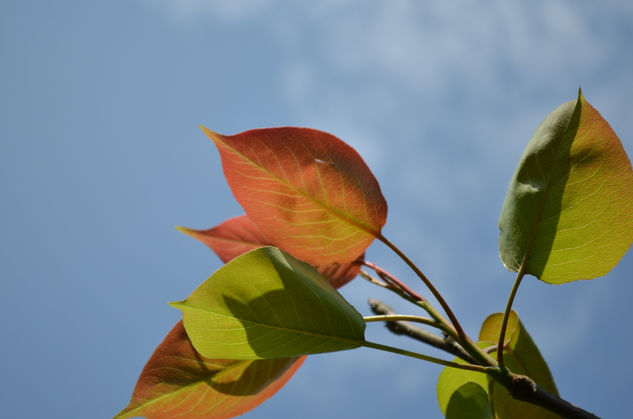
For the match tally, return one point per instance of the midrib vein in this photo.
(329, 209)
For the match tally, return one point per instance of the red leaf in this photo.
(239, 235)
(341, 274)
(309, 192)
(177, 382)
(231, 238)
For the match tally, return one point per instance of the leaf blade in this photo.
(267, 304)
(239, 235)
(308, 191)
(521, 356)
(566, 215)
(177, 382)
(463, 394)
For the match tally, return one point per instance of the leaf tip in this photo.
(212, 135)
(188, 231)
(581, 97)
(178, 304)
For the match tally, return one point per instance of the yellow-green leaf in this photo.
(521, 356)
(267, 304)
(568, 213)
(463, 394)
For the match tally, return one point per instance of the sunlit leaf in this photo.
(267, 304)
(339, 274)
(309, 192)
(521, 356)
(463, 394)
(177, 382)
(568, 211)
(231, 238)
(239, 235)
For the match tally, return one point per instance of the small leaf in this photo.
(463, 394)
(567, 213)
(267, 304)
(239, 235)
(309, 192)
(521, 356)
(177, 382)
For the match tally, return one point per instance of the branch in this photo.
(525, 389)
(399, 327)
(521, 387)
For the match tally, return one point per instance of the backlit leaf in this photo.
(339, 274)
(521, 356)
(239, 235)
(309, 192)
(177, 382)
(568, 211)
(231, 238)
(463, 394)
(267, 304)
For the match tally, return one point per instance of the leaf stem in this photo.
(446, 343)
(386, 348)
(429, 285)
(506, 314)
(391, 283)
(402, 317)
(410, 296)
(395, 282)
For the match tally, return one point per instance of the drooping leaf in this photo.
(239, 235)
(521, 356)
(463, 394)
(309, 192)
(568, 211)
(177, 382)
(267, 304)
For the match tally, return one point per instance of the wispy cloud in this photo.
(440, 98)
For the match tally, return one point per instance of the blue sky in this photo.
(101, 155)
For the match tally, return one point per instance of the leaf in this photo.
(231, 238)
(177, 382)
(309, 192)
(239, 235)
(521, 356)
(567, 213)
(463, 394)
(339, 274)
(267, 304)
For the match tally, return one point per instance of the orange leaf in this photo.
(239, 235)
(309, 192)
(177, 382)
(231, 238)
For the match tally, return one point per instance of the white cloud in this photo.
(440, 98)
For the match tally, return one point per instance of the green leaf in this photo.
(177, 382)
(568, 211)
(463, 394)
(309, 192)
(521, 356)
(267, 304)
